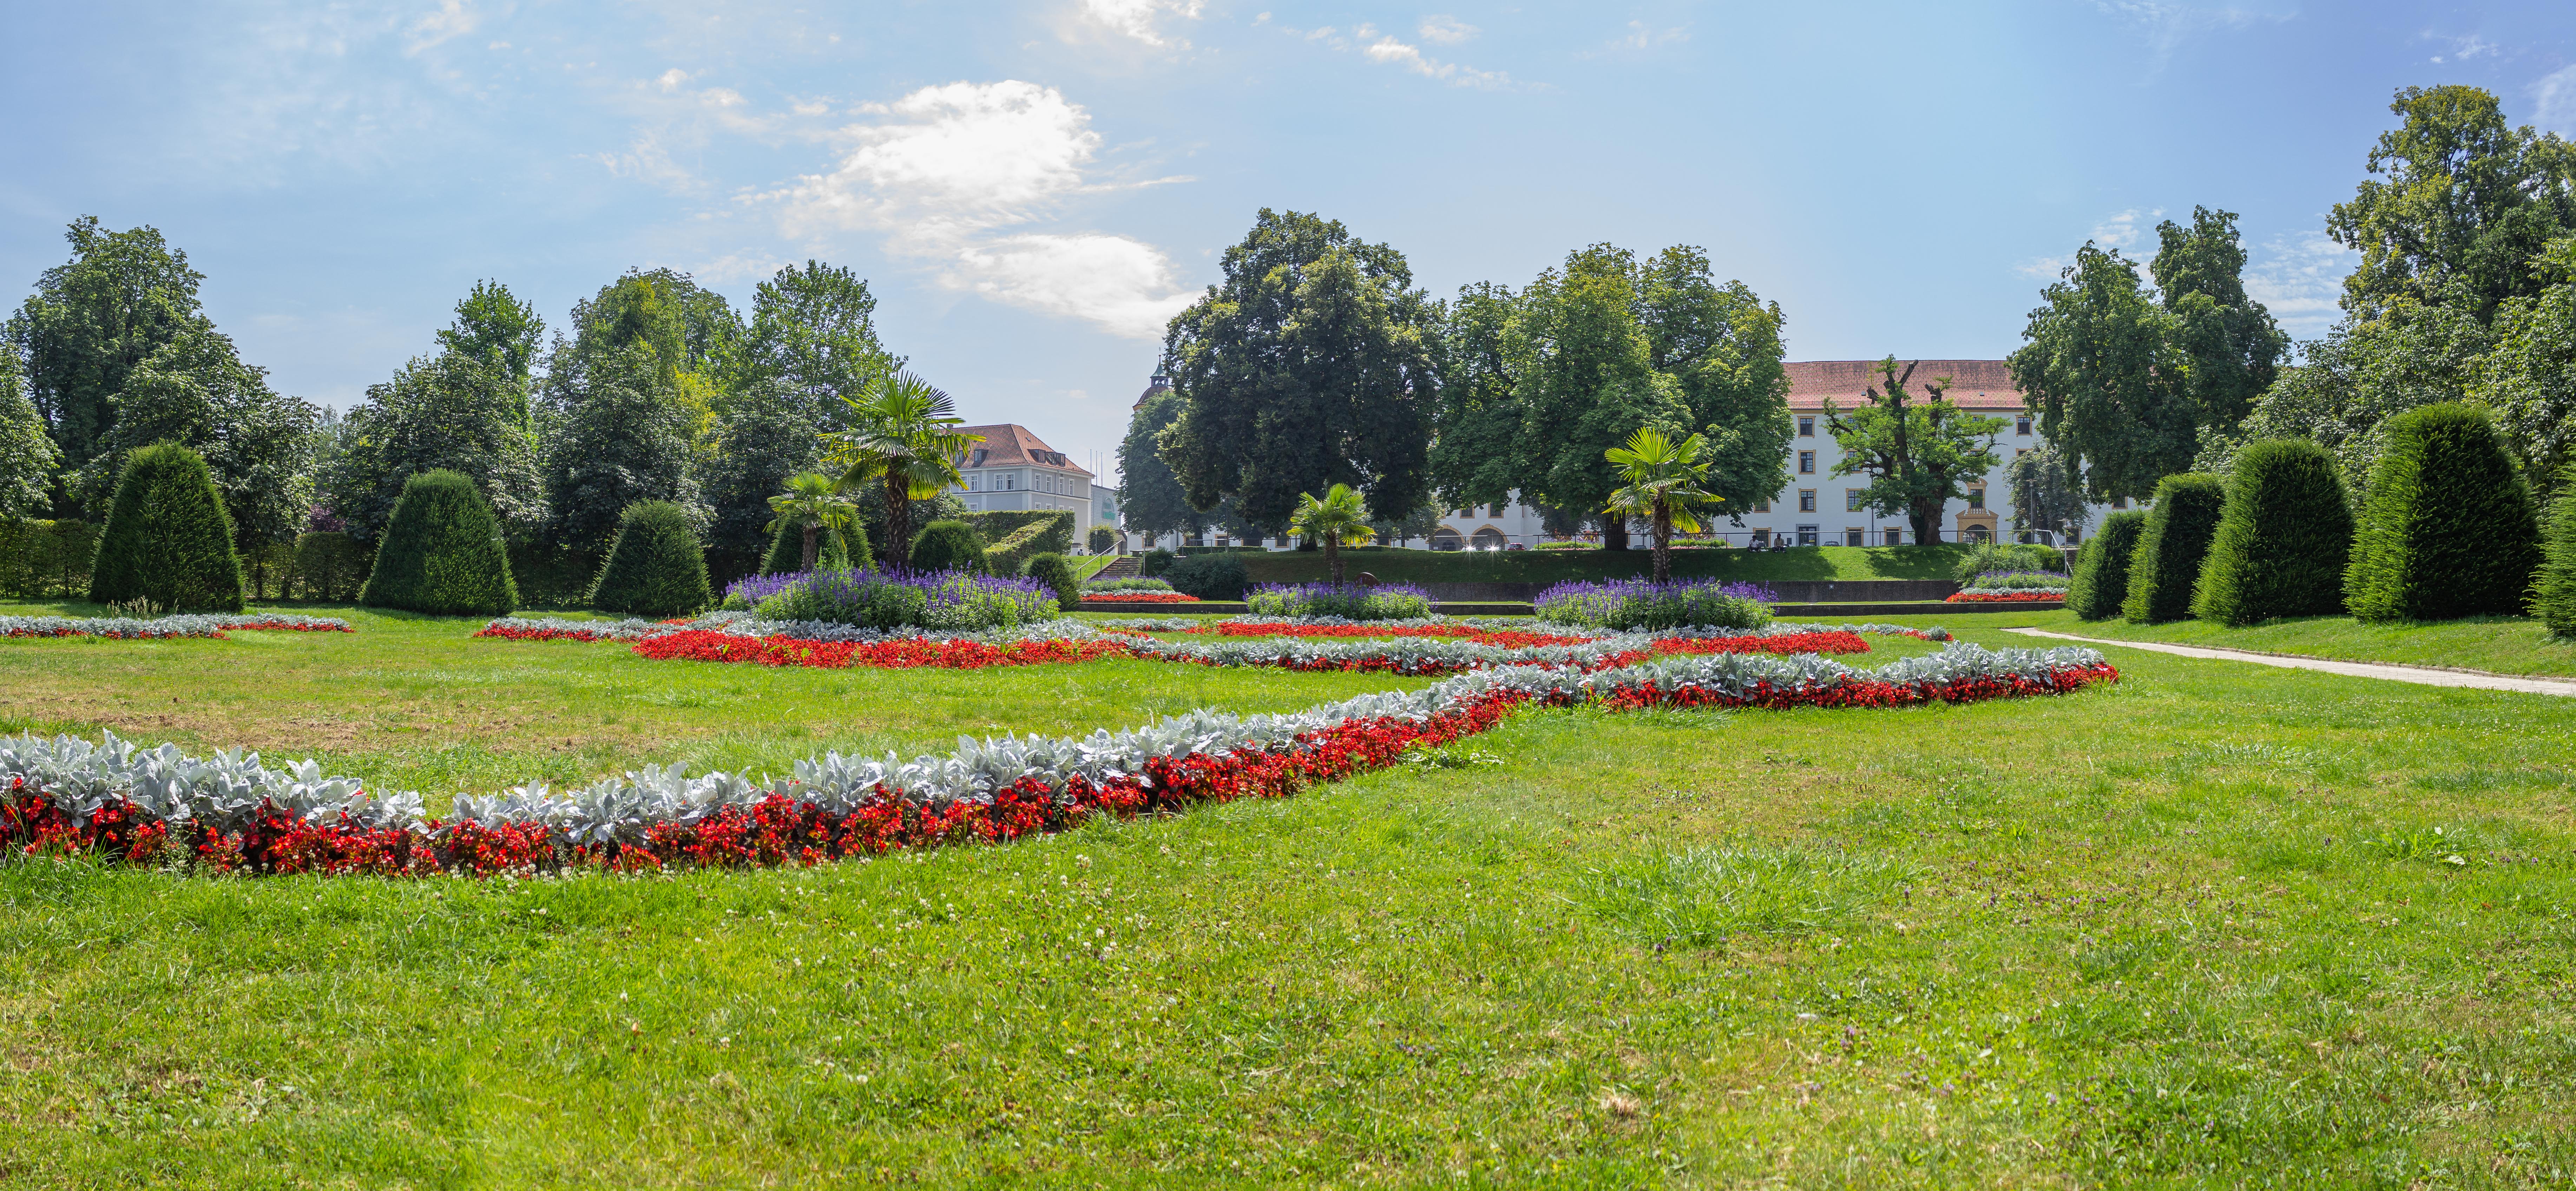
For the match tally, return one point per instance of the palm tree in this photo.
(1663, 481)
(813, 501)
(1338, 518)
(903, 432)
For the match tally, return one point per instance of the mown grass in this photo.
(2217, 925)
(2502, 644)
(1549, 566)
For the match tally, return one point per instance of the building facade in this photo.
(1012, 469)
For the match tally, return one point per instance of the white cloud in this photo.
(2462, 48)
(2121, 231)
(1447, 30)
(2556, 96)
(453, 19)
(738, 266)
(1138, 18)
(946, 170)
(1388, 50)
(1641, 37)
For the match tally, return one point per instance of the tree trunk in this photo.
(1927, 525)
(1663, 542)
(813, 545)
(1333, 557)
(898, 552)
(1614, 531)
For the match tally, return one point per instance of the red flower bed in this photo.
(701, 645)
(1867, 693)
(1507, 638)
(2003, 597)
(1137, 597)
(1835, 641)
(514, 633)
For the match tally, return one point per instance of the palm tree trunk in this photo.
(898, 520)
(1333, 557)
(1663, 542)
(813, 544)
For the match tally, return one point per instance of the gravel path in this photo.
(2425, 675)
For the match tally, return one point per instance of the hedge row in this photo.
(1048, 532)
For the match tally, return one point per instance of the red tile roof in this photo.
(1974, 384)
(1011, 445)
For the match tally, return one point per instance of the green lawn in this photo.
(2218, 925)
(2503, 644)
(1550, 566)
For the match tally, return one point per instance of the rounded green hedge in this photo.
(2102, 567)
(1055, 573)
(1101, 540)
(840, 550)
(2448, 530)
(655, 567)
(2283, 539)
(442, 552)
(2166, 565)
(168, 539)
(2553, 590)
(948, 546)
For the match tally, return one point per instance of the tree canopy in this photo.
(465, 409)
(120, 298)
(2466, 203)
(1918, 454)
(1151, 500)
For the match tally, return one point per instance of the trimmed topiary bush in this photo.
(1209, 576)
(168, 539)
(948, 546)
(2283, 539)
(1049, 533)
(2102, 567)
(1055, 573)
(2553, 590)
(839, 550)
(2166, 565)
(2448, 530)
(1101, 540)
(442, 552)
(655, 567)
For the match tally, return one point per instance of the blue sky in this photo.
(1033, 187)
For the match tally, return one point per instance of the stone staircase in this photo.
(1125, 566)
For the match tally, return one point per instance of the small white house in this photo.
(1013, 469)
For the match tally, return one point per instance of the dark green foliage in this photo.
(330, 566)
(549, 577)
(765, 436)
(2166, 564)
(2448, 530)
(92, 319)
(167, 539)
(1056, 574)
(835, 551)
(442, 552)
(2553, 590)
(1102, 540)
(1151, 498)
(1049, 532)
(46, 559)
(1156, 563)
(2283, 539)
(2102, 567)
(948, 545)
(623, 436)
(456, 411)
(656, 567)
(1219, 576)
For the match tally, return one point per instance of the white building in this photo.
(1013, 469)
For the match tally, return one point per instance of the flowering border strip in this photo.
(2017, 595)
(1138, 597)
(191, 625)
(230, 813)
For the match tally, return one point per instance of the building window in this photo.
(1855, 537)
(1807, 535)
(2018, 452)
(1762, 506)
(1806, 425)
(2121, 503)
(1806, 463)
(1976, 498)
(1895, 537)
(1851, 499)
(1806, 500)
(2021, 426)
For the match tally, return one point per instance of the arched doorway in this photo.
(1490, 538)
(1445, 538)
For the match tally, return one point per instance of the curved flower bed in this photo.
(1248, 627)
(230, 813)
(702, 645)
(2019, 595)
(191, 625)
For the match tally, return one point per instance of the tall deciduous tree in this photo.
(195, 391)
(494, 326)
(26, 453)
(2229, 348)
(465, 409)
(93, 319)
(1309, 365)
(1151, 500)
(2357, 377)
(2529, 378)
(622, 435)
(1918, 455)
(2100, 368)
(768, 433)
(2466, 203)
(2044, 495)
(1723, 346)
(813, 330)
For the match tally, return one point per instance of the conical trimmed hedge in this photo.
(1056, 573)
(2166, 565)
(168, 538)
(442, 552)
(2102, 567)
(655, 567)
(840, 550)
(2553, 591)
(2283, 540)
(2449, 529)
(948, 546)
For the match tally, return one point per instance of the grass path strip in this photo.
(2423, 675)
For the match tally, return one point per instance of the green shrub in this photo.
(2553, 590)
(2166, 564)
(1055, 573)
(1154, 563)
(1050, 532)
(1102, 540)
(2283, 538)
(948, 546)
(168, 539)
(2102, 567)
(839, 550)
(442, 552)
(2448, 530)
(329, 566)
(1209, 576)
(655, 566)
(2008, 556)
(46, 559)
